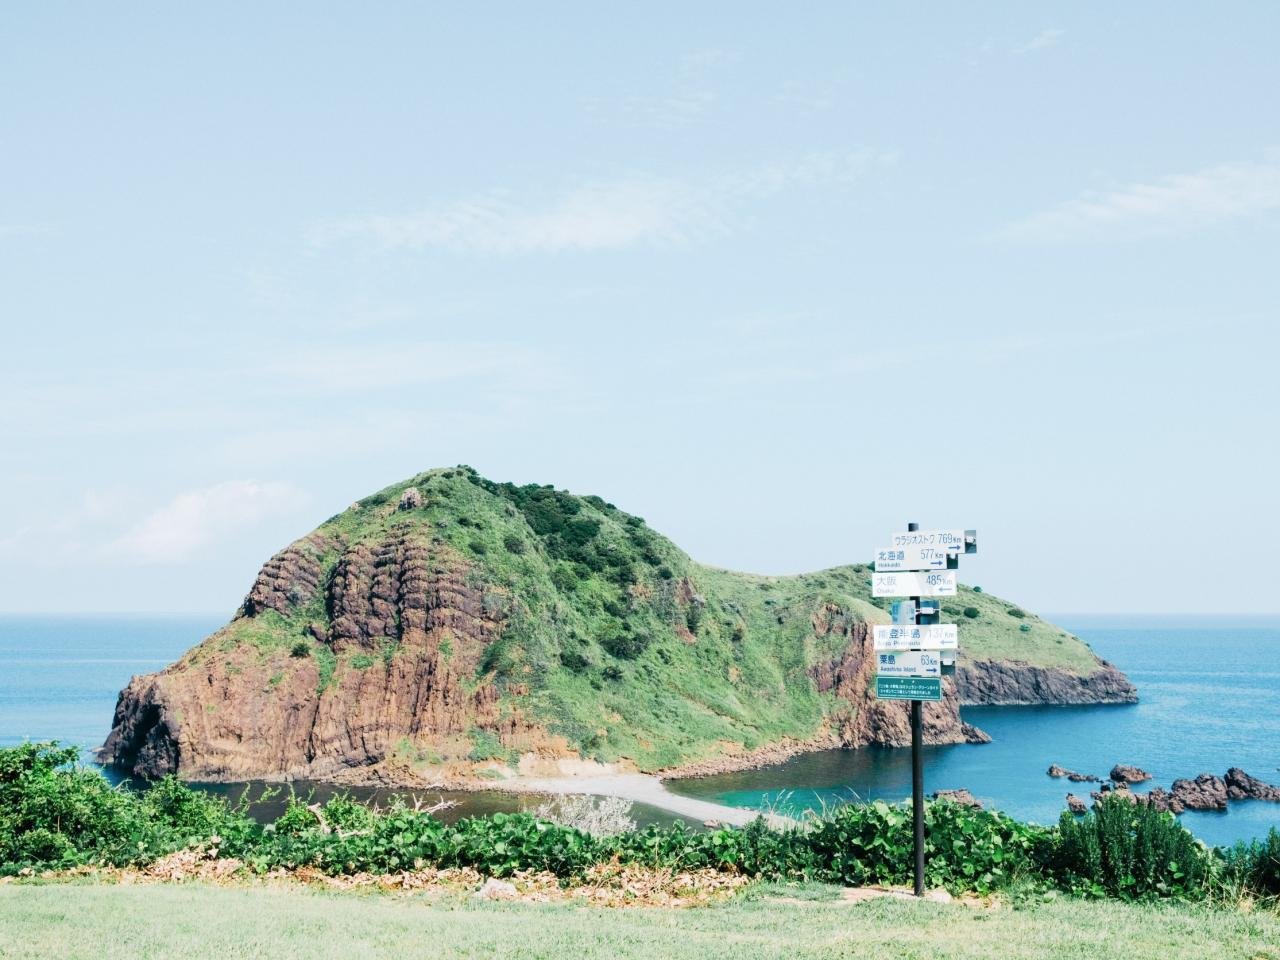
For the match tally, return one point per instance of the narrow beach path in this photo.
(642, 788)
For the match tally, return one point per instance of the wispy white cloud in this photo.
(693, 90)
(595, 216)
(1172, 205)
(363, 368)
(25, 230)
(198, 518)
(635, 210)
(1043, 39)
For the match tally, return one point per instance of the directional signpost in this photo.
(915, 651)
(911, 663)
(942, 636)
(926, 583)
(913, 557)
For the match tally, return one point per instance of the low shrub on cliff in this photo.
(1130, 851)
(1255, 866)
(56, 814)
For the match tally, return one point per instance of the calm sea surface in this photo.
(1209, 688)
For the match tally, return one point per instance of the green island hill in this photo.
(449, 630)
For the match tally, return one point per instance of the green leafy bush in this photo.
(56, 814)
(1016, 613)
(965, 849)
(972, 613)
(1256, 865)
(1024, 628)
(1130, 851)
(513, 543)
(626, 646)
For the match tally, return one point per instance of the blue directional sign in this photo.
(908, 688)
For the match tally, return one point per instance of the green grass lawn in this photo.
(196, 921)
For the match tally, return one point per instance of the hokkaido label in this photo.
(908, 688)
(914, 557)
(941, 636)
(909, 663)
(929, 583)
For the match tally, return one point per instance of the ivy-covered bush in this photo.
(965, 848)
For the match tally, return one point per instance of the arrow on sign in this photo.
(932, 583)
(913, 557)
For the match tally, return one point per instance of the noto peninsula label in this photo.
(939, 636)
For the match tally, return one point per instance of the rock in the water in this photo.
(1123, 773)
(1160, 799)
(972, 734)
(1205, 792)
(1241, 786)
(1077, 805)
(1072, 775)
(1056, 771)
(962, 797)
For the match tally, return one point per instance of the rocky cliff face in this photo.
(451, 628)
(1013, 683)
(417, 630)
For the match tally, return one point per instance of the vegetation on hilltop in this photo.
(615, 639)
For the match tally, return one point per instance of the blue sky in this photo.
(776, 280)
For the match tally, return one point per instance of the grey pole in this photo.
(917, 770)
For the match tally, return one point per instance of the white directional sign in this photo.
(929, 583)
(912, 663)
(941, 636)
(952, 541)
(914, 557)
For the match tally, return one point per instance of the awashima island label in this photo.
(909, 663)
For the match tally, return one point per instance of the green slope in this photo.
(626, 646)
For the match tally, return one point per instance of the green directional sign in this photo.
(908, 688)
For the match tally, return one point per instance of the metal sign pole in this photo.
(917, 769)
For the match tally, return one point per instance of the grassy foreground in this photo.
(196, 921)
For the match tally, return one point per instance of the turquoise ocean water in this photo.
(1209, 687)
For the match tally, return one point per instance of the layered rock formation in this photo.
(417, 630)
(1016, 683)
